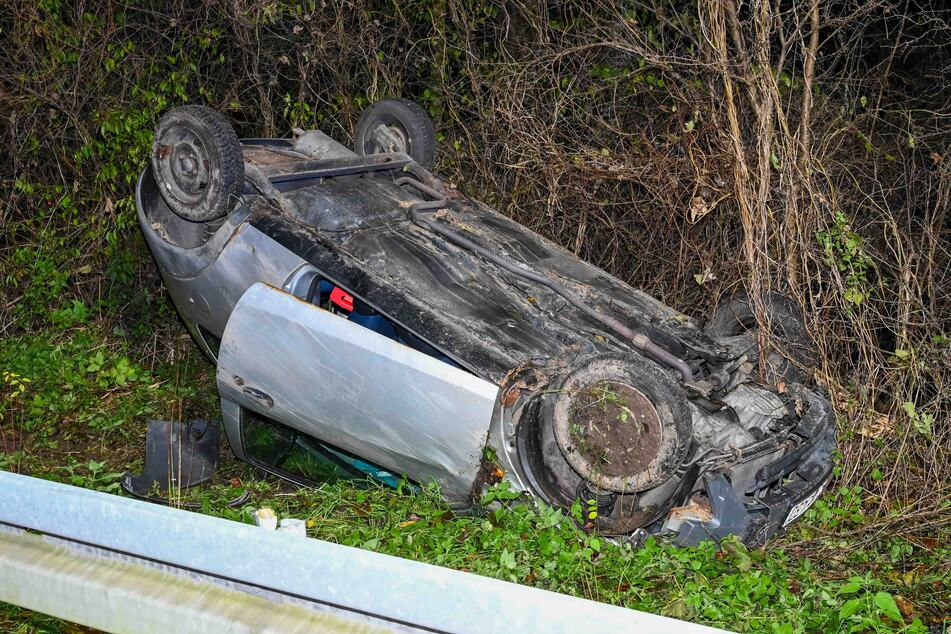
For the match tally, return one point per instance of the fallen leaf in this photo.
(442, 517)
(928, 542)
(877, 425)
(698, 209)
(905, 606)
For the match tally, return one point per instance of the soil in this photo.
(615, 428)
(489, 474)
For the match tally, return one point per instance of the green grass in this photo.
(74, 405)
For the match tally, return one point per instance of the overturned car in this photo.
(369, 320)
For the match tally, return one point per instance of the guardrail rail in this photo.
(122, 565)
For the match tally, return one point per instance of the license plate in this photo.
(803, 505)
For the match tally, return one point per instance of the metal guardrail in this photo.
(122, 565)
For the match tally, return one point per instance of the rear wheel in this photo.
(397, 125)
(197, 163)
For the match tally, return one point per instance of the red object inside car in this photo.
(342, 299)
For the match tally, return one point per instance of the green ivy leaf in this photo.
(854, 295)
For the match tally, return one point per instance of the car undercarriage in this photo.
(368, 319)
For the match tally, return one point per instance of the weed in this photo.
(922, 423)
(770, 590)
(93, 475)
(845, 251)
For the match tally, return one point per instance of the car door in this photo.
(345, 385)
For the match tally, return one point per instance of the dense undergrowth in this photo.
(645, 137)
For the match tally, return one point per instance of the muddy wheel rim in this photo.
(184, 165)
(374, 144)
(650, 470)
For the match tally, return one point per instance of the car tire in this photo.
(797, 350)
(197, 163)
(410, 123)
(561, 465)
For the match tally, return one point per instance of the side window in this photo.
(308, 284)
(279, 448)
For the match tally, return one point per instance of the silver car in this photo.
(369, 320)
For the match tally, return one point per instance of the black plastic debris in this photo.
(177, 456)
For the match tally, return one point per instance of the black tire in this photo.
(410, 123)
(796, 351)
(197, 163)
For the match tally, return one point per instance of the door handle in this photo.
(257, 394)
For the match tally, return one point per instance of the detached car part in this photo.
(178, 456)
(367, 320)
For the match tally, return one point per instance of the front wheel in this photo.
(793, 349)
(197, 163)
